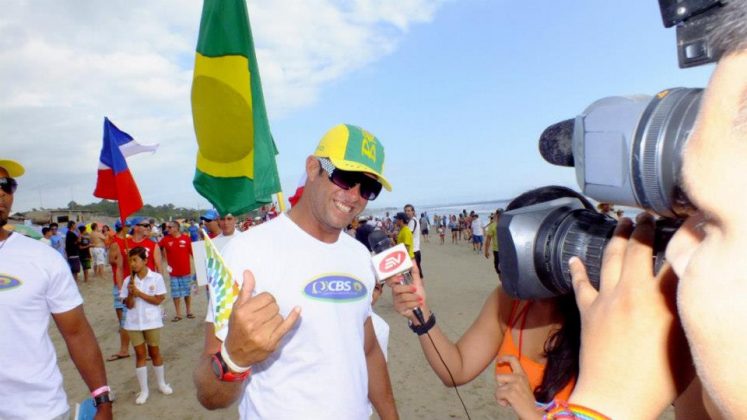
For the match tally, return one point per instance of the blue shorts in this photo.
(181, 286)
(477, 239)
(119, 304)
(118, 301)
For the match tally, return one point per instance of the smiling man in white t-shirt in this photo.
(302, 321)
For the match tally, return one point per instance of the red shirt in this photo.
(125, 264)
(145, 243)
(178, 251)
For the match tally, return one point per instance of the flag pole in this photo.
(281, 201)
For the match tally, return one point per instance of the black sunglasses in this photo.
(370, 188)
(144, 225)
(8, 185)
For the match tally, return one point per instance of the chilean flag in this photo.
(115, 181)
(299, 191)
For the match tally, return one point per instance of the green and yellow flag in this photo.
(236, 169)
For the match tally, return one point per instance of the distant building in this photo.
(44, 217)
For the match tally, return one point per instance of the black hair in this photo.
(361, 234)
(45, 230)
(561, 347)
(53, 225)
(728, 32)
(94, 225)
(140, 251)
(81, 229)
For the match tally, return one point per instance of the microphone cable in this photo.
(453, 382)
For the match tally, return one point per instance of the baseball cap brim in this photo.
(347, 165)
(14, 168)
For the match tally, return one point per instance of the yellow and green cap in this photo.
(352, 148)
(13, 168)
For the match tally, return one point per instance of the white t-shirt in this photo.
(415, 229)
(144, 316)
(477, 227)
(35, 282)
(221, 240)
(319, 369)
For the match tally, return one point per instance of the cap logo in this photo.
(368, 146)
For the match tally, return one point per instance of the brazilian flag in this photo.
(236, 169)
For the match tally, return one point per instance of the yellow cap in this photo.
(13, 168)
(352, 148)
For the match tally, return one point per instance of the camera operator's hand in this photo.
(256, 327)
(632, 345)
(513, 389)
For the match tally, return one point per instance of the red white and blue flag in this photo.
(115, 181)
(299, 191)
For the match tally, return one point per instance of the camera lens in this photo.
(537, 241)
(582, 233)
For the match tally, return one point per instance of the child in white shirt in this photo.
(143, 292)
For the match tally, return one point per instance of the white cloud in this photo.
(65, 65)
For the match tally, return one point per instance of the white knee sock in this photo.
(142, 378)
(162, 385)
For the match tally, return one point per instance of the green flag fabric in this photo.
(236, 169)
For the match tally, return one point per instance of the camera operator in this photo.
(633, 354)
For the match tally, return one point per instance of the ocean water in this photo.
(484, 209)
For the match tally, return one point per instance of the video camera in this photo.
(627, 151)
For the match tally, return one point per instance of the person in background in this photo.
(414, 226)
(477, 232)
(57, 242)
(177, 249)
(210, 220)
(72, 249)
(98, 249)
(117, 257)
(491, 240)
(84, 245)
(46, 235)
(194, 231)
(425, 224)
(404, 235)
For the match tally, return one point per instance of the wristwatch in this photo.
(102, 398)
(222, 372)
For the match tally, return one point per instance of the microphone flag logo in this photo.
(391, 262)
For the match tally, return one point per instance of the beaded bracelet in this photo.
(564, 410)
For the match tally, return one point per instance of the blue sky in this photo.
(457, 91)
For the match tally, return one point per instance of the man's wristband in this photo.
(230, 363)
(98, 391)
(424, 328)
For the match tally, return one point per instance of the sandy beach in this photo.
(457, 282)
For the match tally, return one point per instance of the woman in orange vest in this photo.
(534, 344)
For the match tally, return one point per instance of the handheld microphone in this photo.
(390, 261)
